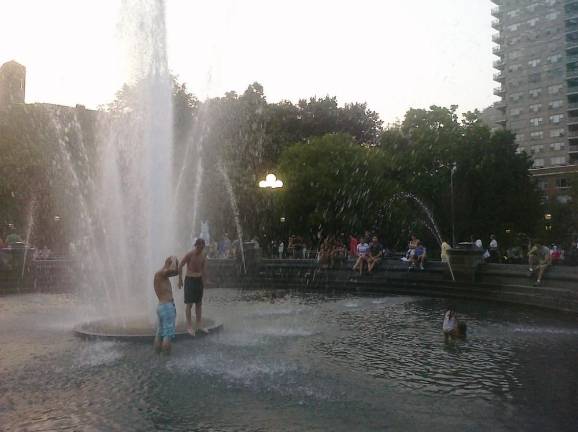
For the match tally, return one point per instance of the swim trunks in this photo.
(167, 315)
(193, 290)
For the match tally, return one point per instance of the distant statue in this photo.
(205, 235)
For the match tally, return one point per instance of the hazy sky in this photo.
(392, 54)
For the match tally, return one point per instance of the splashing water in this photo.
(133, 200)
(430, 223)
(235, 207)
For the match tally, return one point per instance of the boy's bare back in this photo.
(163, 288)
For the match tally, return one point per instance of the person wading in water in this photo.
(195, 261)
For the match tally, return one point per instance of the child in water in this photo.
(451, 327)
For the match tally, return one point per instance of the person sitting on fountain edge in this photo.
(166, 312)
(195, 261)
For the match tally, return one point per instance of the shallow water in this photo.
(305, 361)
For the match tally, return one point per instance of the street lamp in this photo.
(453, 170)
(271, 182)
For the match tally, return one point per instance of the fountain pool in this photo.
(304, 362)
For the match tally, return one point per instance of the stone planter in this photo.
(465, 263)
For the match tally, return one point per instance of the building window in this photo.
(538, 163)
(556, 118)
(536, 135)
(550, 2)
(555, 133)
(513, 13)
(515, 67)
(557, 146)
(535, 93)
(515, 55)
(562, 183)
(558, 160)
(520, 138)
(534, 77)
(515, 112)
(515, 40)
(554, 58)
(552, 16)
(514, 83)
(532, 22)
(537, 148)
(555, 104)
(513, 27)
(554, 89)
(535, 108)
(536, 121)
(534, 62)
(542, 185)
(516, 97)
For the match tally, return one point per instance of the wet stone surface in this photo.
(295, 362)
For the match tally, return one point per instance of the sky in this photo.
(392, 54)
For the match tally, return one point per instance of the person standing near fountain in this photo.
(195, 262)
(166, 312)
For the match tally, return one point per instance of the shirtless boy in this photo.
(166, 311)
(195, 261)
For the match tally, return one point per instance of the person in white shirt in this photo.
(493, 251)
(451, 327)
(362, 255)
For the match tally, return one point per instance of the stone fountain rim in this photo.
(81, 331)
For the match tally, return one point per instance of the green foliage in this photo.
(493, 190)
(333, 185)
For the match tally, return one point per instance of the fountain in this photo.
(133, 213)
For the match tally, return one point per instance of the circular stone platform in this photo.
(136, 329)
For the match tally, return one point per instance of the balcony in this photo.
(496, 11)
(496, 24)
(572, 47)
(572, 90)
(499, 64)
(572, 106)
(573, 149)
(572, 73)
(571, 58)
(571, 26)
(497, 37)
(498, 50)
(573, 135)
(500, 77)
(499, 91)
(501, 105)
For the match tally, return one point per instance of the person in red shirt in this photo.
(352, 245)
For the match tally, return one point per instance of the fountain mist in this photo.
(133, 198)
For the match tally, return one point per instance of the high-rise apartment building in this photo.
(537, 69)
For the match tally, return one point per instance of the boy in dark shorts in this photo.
(195, 262)
(166, 312)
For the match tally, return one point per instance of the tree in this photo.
(333, 185)
(493, 189)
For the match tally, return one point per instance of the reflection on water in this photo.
(302, 362)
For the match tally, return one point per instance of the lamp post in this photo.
(453, 170)
(272, 182)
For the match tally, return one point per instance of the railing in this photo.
(497, 50)
(499, 91)
(572, 106)
(572, 74)
(571, 58)
(498, 64)
(496, 24)
(496, 11)
(498, 76)
(497, 37)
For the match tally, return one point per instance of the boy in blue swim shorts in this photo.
(166, 312)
